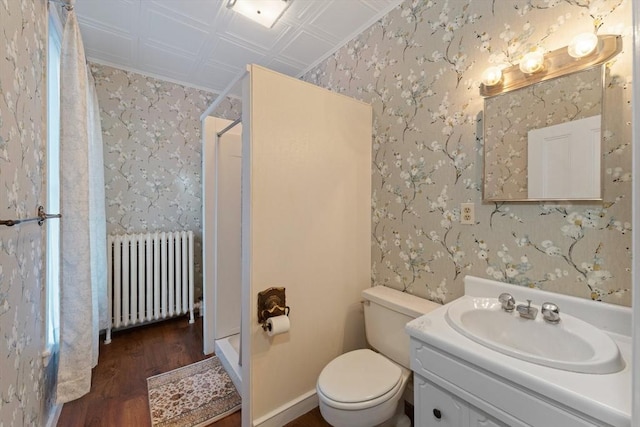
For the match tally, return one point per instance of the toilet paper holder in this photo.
(271, 303)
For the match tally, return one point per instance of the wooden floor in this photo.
(118, 396)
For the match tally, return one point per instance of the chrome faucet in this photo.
(527, 311)
(507, 301)
(550, 312)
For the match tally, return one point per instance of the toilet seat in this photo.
(360, 379)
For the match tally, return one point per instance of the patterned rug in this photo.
(194, 395)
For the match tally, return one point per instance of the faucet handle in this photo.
(508, 302)
(550, 312)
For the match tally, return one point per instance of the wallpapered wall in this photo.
(25, 385)
(420, 67)
(151, 135)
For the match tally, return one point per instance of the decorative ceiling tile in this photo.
(341, 20)
(202, 43)
(306, 48)
(304, 10)
(285, 67)
(235, 54)
(202, 11)
(217, 76)
(184, 35)
(160, 61)
(108, 45)
(117, 14)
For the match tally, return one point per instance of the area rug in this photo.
(192, 396)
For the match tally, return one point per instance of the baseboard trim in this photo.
(54, 415)
(289, 411)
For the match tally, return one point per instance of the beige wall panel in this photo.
(310, 230)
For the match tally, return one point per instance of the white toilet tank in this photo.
(386, 312)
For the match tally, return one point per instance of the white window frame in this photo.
(53, 184)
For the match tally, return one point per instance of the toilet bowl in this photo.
(360, 389)
(364, 388)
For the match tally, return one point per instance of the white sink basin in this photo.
(571, 345)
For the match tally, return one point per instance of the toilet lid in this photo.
(358, 376)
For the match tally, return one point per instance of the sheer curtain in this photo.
(83, 227)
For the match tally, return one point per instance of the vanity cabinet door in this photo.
(480, 419)
(436, 408)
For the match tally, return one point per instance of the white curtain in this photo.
(83, 227)
(97, 218)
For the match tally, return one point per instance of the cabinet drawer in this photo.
(503, 400)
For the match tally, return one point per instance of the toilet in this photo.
(364, 388)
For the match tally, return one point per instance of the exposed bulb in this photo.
(582, 45)
(492, 76)
(532, 62)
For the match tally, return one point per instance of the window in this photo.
(53, 180)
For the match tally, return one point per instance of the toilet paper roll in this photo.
(278, 325)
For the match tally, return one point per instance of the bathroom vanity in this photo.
(476, 364)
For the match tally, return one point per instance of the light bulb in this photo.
(532, 62)
(492, 76)
(582, 45)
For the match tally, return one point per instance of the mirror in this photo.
(543, 141)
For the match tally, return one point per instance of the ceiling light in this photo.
(532, 62)
(582, 45)
(264, 12)
(492, 76)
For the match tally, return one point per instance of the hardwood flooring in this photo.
(118, 396)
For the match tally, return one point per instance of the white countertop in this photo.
(606, 397)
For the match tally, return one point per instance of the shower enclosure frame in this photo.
(222, 157)
(238, 85)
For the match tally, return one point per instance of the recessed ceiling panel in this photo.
(234, 54)
(202, 11)
(342, 20)
(106, 44)
(285, 67)
(117, 14)
(217, 76)
(306, 48)
(303, 10)
(163, 62)
(183, 37)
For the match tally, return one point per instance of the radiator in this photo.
(150, 277)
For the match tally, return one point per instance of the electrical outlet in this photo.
(467, 213)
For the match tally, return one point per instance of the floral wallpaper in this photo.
(25, 384)
(152, 142)
(509, 116)
(420, 68)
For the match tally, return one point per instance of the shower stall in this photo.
(222, 167)
(286, 203)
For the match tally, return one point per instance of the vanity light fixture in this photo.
(264, 12)
(582, 45)
(537, 66)
(532, 62)
(492, 76)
